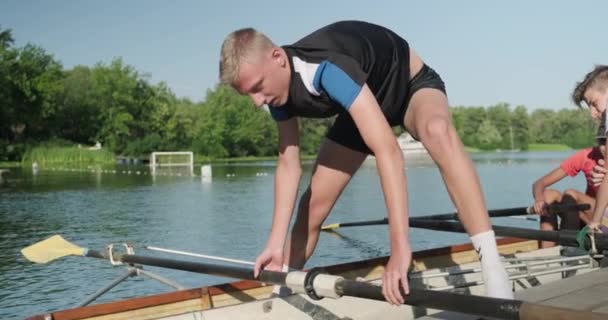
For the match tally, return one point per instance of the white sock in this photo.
(494, 274)
(281, 291)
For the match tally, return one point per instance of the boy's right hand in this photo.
(594, 227)
(540, 207)
(270, 259)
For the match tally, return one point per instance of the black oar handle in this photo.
(469, 304)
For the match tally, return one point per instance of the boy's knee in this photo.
(551, 195)
(436, 128)
(436, 133)
(571, 192)
(570, 195)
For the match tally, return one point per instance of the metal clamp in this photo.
(308, 282)
(128, 249)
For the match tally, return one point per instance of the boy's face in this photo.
(597, 100)
(265, 78)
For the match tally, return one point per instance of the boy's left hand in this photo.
(598, 173)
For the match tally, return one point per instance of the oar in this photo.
(563, 237)
(520, 211)
(318, 285)
(334, 226)
(198, 255)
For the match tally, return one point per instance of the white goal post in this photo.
(174, 159)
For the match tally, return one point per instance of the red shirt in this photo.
(583, 160)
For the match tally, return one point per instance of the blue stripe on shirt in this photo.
(337, 83)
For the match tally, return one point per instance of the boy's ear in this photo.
(277, 55)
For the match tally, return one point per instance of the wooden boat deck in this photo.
(586, 292)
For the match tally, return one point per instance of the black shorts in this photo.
(344, 131)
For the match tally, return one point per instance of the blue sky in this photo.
(519, 52)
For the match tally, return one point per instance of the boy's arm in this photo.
(286, 183)
(539, 186)
(379, 137)
(601, 202)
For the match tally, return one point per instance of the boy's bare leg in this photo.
(333, 170)
(428, 118)
(549, 222)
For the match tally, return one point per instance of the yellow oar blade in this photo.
(50, 249)
(330, 226)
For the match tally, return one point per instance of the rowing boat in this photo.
(448, 269)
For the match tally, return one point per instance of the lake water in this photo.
(229, 217)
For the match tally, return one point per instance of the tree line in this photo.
(43, 103)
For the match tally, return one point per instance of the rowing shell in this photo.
(438, 273)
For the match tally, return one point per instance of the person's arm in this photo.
(343, 79)
(601, 202)
(379, 137)
(286, 183)
(539, 186)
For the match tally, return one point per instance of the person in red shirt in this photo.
(586, 161)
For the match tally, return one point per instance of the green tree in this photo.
(488, 136)
(542, 125)
(312, 133)
(34, 82)
(467, 121)
(500, 116)
(77, 117)
(230, 125)
(520, 128)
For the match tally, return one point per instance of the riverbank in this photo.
(200, 160)
(548, 147)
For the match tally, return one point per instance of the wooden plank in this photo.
(188, 307)
(127, 305)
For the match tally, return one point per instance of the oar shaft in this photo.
(521, 211)
(496, 213)
(469, 304)
(364, 223)
(492, 213)
(564, 237)
(198, 255)
(206, 268)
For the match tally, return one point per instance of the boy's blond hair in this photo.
(596, 79)
(240, 45)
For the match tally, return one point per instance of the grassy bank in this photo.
(472, 149)
(202, 160)
(9, 164)
(548, 147)
(54, 156)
